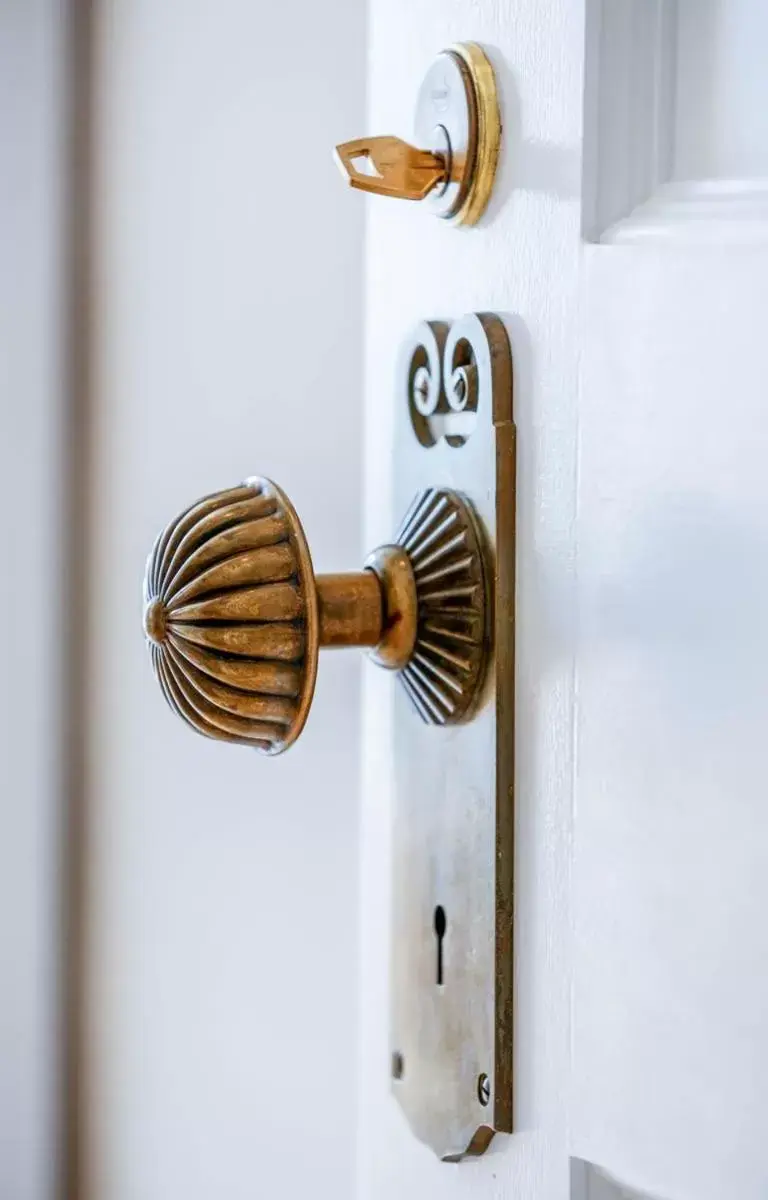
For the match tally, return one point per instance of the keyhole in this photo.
(440, 924)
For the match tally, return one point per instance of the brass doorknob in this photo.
(235, 615)
(458, 130)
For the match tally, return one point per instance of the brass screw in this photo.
(420, 391)
(462, 388)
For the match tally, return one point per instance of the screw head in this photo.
(462, 388)
(483, 1089)
(422, 393)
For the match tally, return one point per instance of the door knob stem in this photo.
(376, 608)
(350, 609)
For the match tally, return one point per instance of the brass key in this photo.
(402, 171)
(457, 129)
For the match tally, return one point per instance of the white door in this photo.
(231, 899)
(626, 247)
(670, 952)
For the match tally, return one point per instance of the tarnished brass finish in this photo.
(457, 126)
(483, 148)
(453, 847)
(392, 567)
(232, 618)
(444, 673)
(350, 608)
(235, 615)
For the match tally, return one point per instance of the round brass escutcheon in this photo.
(458, 133)
(458, 109)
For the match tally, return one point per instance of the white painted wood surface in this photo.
(523, 262)
(721, 110)
(671, 954)
(675, 124)
(642, 1019)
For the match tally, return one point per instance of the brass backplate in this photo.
(453, 847)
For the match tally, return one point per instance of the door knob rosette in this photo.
(235, 615)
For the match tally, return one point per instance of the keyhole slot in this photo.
(440, 927)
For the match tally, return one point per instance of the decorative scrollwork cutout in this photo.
(448, 374)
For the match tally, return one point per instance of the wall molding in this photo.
(629, 194)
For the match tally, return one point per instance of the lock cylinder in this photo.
(457, 129)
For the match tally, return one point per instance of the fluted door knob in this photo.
(235, 615)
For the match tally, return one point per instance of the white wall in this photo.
(224, 892)
(32, 115)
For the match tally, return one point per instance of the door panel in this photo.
(670, 981)
(670, 985)
(641, 982)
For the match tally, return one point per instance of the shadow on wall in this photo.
(528, 165)
(588, 1182)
